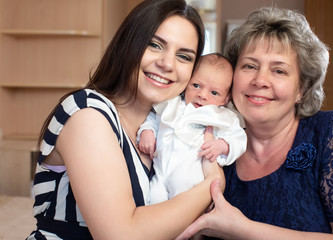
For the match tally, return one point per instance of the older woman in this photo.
(282, 186)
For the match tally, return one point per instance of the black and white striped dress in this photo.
(55, 208)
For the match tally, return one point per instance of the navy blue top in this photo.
(298, 195)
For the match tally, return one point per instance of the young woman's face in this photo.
(168, 61)
(266, 83)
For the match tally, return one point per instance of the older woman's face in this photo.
(266, 83)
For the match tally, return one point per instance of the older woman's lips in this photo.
(258, 99)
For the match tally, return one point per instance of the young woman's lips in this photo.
(158, 78)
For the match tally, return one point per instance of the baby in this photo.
(177, 129)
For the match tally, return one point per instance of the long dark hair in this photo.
(117, 73)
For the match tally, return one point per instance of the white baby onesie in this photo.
(179, 131)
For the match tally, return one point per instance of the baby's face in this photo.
(208, 86)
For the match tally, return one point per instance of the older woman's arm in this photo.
(227, 222)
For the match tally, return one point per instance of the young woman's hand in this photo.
(210, 168)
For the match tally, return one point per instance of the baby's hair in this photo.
(218, 61)
(214, 59)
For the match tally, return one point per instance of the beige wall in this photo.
(238, 9)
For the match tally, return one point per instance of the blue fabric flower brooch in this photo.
(301, 157)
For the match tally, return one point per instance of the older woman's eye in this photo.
(249, 66)
(280, 71)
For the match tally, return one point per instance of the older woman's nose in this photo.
(261, 79)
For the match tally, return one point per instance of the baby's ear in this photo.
(226, 100)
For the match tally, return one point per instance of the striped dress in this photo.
(55, 208)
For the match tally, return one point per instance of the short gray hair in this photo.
(290, 28)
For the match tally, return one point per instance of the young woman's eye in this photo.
(154, 45)
(185, 57)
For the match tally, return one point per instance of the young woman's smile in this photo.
(158, 80)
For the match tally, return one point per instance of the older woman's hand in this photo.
(223, 221)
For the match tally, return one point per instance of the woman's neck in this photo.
(132, 117)
(266, 149)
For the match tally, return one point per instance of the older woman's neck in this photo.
(266, 150)
(268, 130)
(265, 139)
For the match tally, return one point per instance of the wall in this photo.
(119, 10)
(238, 9)
(234, 9)
(114, 11)
(319, 14)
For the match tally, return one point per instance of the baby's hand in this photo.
(211, 149)
(147, 142)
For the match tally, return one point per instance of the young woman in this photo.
(91, 181)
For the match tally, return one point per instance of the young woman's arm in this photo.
(101, 184)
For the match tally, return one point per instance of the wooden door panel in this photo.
(320, 16)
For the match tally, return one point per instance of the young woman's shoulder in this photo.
(83, 99)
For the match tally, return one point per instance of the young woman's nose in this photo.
(166, 62)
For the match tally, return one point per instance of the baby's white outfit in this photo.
(179, 131)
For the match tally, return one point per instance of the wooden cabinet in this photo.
(47, 48)
(16, 167)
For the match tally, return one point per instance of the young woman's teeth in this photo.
(158, 79)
